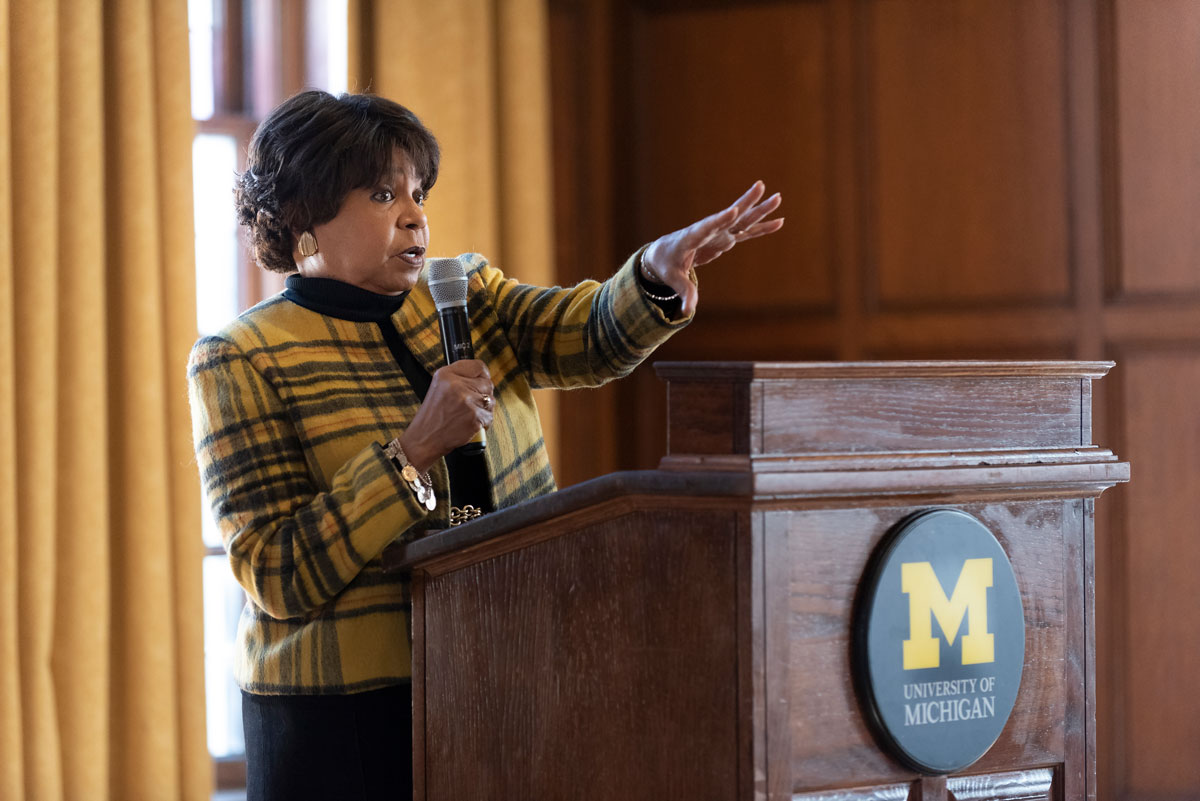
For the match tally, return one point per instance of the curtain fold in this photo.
(81, 626)
(477, 73)
(11, 767)
(101, 645)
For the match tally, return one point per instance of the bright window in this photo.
(239, 72)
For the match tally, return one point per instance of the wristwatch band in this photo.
(420, 483)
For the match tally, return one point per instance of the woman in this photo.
(327, 425)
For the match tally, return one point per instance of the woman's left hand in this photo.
(671, 258)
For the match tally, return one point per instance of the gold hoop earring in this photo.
(307, 244)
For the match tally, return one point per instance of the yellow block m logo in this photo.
(927, 599)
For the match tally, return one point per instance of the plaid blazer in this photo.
(290, 410)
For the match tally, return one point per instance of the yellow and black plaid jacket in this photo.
(290, 409)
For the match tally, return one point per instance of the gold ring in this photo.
(737, 231)
(487, 401)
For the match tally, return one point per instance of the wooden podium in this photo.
(685, 633)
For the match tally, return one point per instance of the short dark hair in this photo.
(310, 152)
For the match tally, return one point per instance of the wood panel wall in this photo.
(961, 179)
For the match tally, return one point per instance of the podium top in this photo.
(677, 371)
(821, 433)
(786, 410)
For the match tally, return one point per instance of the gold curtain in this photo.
(477, 73)
(101, 642)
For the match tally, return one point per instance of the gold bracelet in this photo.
(420, 483)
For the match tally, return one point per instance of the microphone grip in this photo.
(456, 345)
(456, 336)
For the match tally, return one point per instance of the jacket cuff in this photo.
(660, 301)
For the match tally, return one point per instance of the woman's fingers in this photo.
(473, 377)
(761, 229)
(470, 368)
(750, 196)
(755, 213)
(703, 230)
(476, 388)
(734, 220)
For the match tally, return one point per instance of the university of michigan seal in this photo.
(939, 641)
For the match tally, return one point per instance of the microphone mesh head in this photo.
(447, 283)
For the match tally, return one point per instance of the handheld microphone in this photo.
(448, 284)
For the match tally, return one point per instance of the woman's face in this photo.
(378, 239)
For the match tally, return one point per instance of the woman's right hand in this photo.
(458, 404)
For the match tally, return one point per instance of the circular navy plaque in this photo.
(940, 641)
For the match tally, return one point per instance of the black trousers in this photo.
(355, 747)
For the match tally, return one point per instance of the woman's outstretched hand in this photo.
(670, 258)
